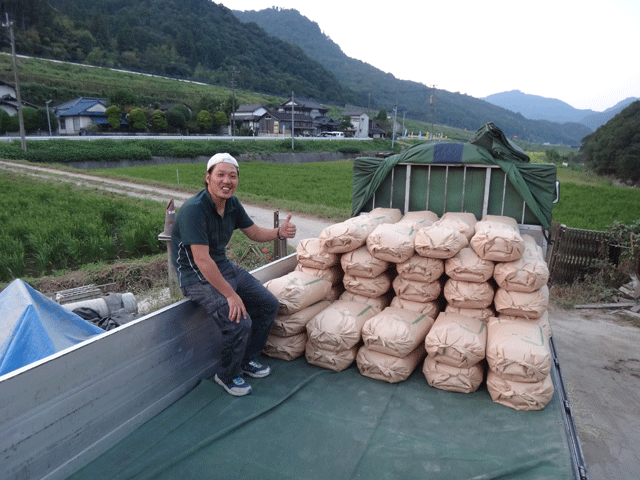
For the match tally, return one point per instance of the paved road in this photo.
(307, 227)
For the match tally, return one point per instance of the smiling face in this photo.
(222, 181)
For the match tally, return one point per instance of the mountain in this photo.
(596, 119)
(277, 52)
(536, 107)
(192, 39)
(383, 90)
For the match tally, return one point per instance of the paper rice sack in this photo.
(518, 395)
(297, 290)
(388, 368)
(430, 309)
(377, 303)
(419, 219)
(439, 241)
(286, 348)
(310, 254)
(421, 269)
(498, 239)
(464, 222)
(369, 287)
(392, 242)
(522, 304)
(453, 379)
(329, 359)
(468, 294)
(288, 325)
(332, 274)
(416, 291)
(457, 340)
(526, 274)
(467, 266)
(360, 263)
(395, 331)
(518, 351)
(339, 326)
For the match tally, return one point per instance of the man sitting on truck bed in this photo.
(241, 306)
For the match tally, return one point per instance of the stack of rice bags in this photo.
(394, 338)
(456, 348)
(468, 289)
(518, 351)
(335, 334)
(314, 259)
(301, 296)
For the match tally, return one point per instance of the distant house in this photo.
(81, 114)
(375, 131)
(251, 117)
(8, 100)
(307, 117)
(359, 122)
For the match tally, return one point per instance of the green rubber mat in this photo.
(304, 422)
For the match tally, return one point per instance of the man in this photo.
(241, 306)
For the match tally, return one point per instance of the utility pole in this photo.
(393, 130)
(432, 102)
(233, 102)
(292, 120)
(9, 25)
(48, 118)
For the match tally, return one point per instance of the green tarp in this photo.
(304, 422)
(535, 182)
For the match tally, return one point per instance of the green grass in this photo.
(318, 188)
(595, 207)
(324, 188)
(46, 227)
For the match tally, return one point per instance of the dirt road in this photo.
(306, 227)
(599, 351)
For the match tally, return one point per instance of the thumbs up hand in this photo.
(287, 229)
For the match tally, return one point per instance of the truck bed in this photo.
(138, 402)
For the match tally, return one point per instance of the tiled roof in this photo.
(80, 107)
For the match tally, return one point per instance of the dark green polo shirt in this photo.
(198, 223)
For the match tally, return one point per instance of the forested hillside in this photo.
(194, 39)
(614, 148)
(383, 90)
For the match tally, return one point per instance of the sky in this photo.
(582, 52)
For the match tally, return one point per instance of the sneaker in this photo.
(238, 387)
(255, 369)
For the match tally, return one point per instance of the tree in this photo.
(137, 118)
(345, 123)
(122, 97)
(31, 118)
(220, 118)
(204, 120)
(614, 147)
(113, 114)
(175, 119)
(5, 121)
(183, 109)
(159, 121)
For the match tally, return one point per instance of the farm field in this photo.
(77, 227)
(586, 200)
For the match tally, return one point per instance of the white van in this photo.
(333, 134)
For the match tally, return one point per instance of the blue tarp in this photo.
(32, 327)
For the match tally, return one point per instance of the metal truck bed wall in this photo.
(478, 189)
(59, 413)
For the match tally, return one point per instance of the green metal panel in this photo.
(444, 188)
